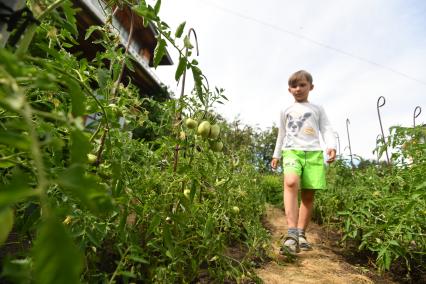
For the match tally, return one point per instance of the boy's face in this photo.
(300, 90)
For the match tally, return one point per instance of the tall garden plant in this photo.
(93, 204)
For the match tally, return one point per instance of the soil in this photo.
(324, 264)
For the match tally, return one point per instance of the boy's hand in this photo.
(274, 163)
(331, 154)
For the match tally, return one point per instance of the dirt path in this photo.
(321, 265)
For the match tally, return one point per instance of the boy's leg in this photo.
(313, 178)
(306, 206)
(292, 171)
(291, 207)
(291, 240)
(305, 213)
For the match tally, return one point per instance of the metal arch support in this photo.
(207, 81)
(196, 40)
(379, 105)
(191, 30)
(349, 141)
(416, 114)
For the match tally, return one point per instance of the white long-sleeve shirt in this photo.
(299, 128)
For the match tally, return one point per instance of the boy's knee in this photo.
(291, 182)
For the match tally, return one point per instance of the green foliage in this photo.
(179, 30)
(272, 186)
(122, 215)
(6, 220)
(181, 68)
(382, 208)
(264, 147)
(159, 51)
(57, 259)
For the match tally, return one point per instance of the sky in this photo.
(356, 50)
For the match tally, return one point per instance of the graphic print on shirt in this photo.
(294, 125)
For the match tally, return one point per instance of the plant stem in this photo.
(11, 156)
(122, 260)
(95, 133)
(48, 115)
(26, 113)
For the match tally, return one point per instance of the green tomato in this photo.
(92, 158)
(235, 209)
(67, 220)
(190, 123)
(204, 129)
(187, 193)
(214, 131)
(216, 146)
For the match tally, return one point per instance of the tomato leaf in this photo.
(197, 75)
(159, 51)
(179, 30)
(15, 140)
(71, 22)
(90, 30)
(6, 221)
(167, 238)
(157, 7)
(16, 190)
(56, 258)
(80, 147)
(77, 98)
(208, 229)
(86, 189)
(181, 68)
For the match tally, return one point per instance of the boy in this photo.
(303, 162)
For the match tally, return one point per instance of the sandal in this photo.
(288, 247)
(304, 244)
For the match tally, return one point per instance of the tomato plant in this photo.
(110, 201)
(381, 208)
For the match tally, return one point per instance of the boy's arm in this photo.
(331, 154)
(279, 143)
(274, 163)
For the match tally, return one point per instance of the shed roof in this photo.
(141, 49)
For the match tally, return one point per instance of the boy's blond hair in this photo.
(297, 76)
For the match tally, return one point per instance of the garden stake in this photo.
(381, 126)
(378, 137)
(184, 72)
(349, 141)
(179, 114)
(416, 115)
(207, 98)
(123, 63)
(338, 141)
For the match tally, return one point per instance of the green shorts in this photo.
(309, 165)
